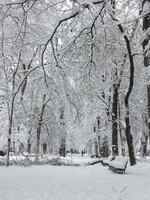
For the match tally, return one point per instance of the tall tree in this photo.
(146, 48)
(130, 87)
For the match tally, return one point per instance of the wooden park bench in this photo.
(118, 165)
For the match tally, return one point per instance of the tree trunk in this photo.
(38, 143)
(131, 83)
(44, 148)
(144, 145)
(39, 134)
(10, 131)
(8, 151)
(115, 101)
(39, 128)
(114, 120)
(29, 147)
(129, 137)
(127, 115)
(62, 148)
(29, 141)
(120, 131)
(146, 55)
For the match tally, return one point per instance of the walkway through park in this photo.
(74, 183)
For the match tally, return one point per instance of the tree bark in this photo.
(114, 120)
(10, 131)
(127, 120)
(29, 147)
(127, 114)
(122, 142)
(62, 148)
(39, 127)
(144, 139)
(146, 55)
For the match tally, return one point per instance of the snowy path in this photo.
(74, 183)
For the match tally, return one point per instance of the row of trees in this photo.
(65, 62)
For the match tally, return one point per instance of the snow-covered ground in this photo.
(23, 159)
(78, 159)
(74, 183)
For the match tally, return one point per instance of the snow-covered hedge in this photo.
(28, 160)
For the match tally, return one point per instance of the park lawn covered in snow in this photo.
(74, 159)
(74, 183)
(70, 159)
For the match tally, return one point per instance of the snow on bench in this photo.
(119, 164)
(106, 161)
(95, 161)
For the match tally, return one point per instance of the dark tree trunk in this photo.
(44, 148)
(129, 137)
(39, 127)
(146, 55)
(144, 145)
(8, 151)
(29, 141)
(120, 131)
(62, 149)
(114, 120)
(115, 101)
(29, 147)
(38, 142)
(127, 114)
(10, 131)
(38, 135)
(148, 107)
